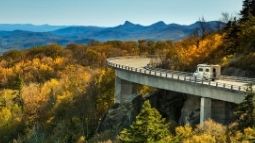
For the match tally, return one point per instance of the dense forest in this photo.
(61, 94)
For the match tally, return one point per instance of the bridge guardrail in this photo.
(177, 75)
(234, 78)
(138, 56)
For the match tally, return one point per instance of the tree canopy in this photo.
(148, 127)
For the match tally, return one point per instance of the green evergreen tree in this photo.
(149, 127)
(253, 7)
(248, 9)
(19, 85)
(246, 111)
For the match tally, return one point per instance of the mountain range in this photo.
(24, 36)
(29, 27)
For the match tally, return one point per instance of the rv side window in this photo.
(207, 70)
(200, 69)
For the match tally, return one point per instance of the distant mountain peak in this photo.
(127, 23)
(160, 23)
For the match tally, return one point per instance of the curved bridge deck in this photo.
(134, 69)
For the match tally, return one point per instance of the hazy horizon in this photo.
(113, 12)
(123, 22)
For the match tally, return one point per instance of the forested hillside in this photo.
(61, 94)
(53, 93)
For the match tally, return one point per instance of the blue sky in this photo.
(113, 12)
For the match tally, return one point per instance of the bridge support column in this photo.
(125, 91)
(205, 109)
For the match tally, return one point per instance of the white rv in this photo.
(207, 72)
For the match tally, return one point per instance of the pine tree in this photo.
(149, 127)
(19, 85)
(253, 7)
(246, 111)
(248, 9)
(19, 100)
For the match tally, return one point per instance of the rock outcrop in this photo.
(190, 113)
(175, 107)
(120, 116)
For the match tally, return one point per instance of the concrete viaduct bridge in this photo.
(132, 70)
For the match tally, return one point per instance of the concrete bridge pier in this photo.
(205, 109)
(125, 91)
